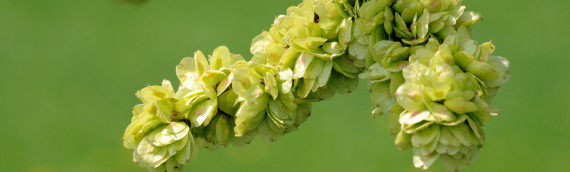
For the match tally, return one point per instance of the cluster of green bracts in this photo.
(424, 70)
(444, 100)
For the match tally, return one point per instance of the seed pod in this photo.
(443, 96)
(306, 40)
(167, 147)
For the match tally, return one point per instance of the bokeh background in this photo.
(69, 70)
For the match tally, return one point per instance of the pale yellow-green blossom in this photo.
(423, 69)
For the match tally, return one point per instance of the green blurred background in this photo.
(70, 68)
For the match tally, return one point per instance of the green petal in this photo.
(250, 115)
(153, 93)
(452, 164)
(285, 77)
(501, 65)
(187, 68)
(266, 133)
(440, 112)
(172, 133)
(314, 69)
(463, 134)
(202, 113)
(302, 64)
(209, 80)
(357, 50)
(342, 84)
(333, 48)
(468, 19)
(305, 87)
(403, 141)
(271, 85)
(173, 166)
(345, 33)
(325, 74)
(424, 161)
(165, 109)
(344, 65)
(224, 84)
(200, 62)
(461, 106)
(411, 118)
(220, 54)
(482, 70)
(425, 136)
(303, 112)
(409, 96)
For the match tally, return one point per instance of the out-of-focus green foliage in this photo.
(132, 1)
(70, 68)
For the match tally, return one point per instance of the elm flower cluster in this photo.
(423, 69)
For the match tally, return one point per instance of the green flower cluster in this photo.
(221, 100)
(424, 70)
(444, 100)
(388, 30)
(158, 133)
(311, 40)
(429, 76)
